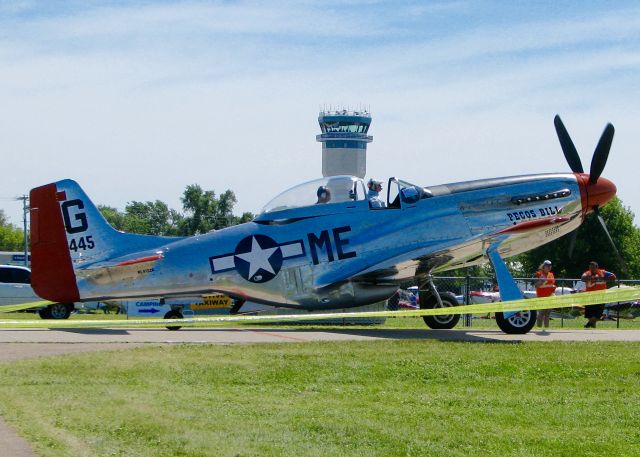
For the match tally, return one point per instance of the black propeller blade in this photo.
(601, 154)
(598, 162)
(596, 210)
(570, 152)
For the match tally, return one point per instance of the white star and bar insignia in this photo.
(257, 258)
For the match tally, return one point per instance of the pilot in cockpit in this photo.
(324, 195)
(373, 195)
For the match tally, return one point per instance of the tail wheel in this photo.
(446, 321)
(518, 324)
(173, 314)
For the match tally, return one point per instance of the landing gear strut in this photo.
(431, 299)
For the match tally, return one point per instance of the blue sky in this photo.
(136, 100)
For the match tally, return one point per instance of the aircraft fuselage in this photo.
(343, 254)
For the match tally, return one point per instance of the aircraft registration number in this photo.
(83, 243)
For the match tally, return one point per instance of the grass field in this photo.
(386, 398)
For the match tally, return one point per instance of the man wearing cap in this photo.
(324, 196)
(595, 279)
(545, 287)
(373, 194)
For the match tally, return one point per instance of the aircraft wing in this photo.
(426, 258)
(387, 269)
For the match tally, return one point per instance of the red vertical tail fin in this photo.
(52, 275)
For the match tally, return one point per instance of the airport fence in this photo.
(483, 289)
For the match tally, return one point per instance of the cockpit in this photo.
(404, 193)
(332, 189)
(342, 189)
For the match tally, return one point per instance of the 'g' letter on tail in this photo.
(52, 275)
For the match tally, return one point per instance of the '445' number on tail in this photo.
(83, 243)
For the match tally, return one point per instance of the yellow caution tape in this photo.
(23, 306)
(613, 295)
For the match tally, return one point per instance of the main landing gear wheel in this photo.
(174, 315)
(447, 321)
(56, 311)
(518, 324)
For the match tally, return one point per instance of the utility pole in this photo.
(25, 208)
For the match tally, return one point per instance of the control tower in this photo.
(344, 142)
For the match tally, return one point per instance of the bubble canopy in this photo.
(328, 190)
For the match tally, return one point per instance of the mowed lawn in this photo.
(386, 398)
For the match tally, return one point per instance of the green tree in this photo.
(114, 217)
(11, 237)
(147, 218)
(152, 218)
(592, 244)
(205, 212)
(246, 217)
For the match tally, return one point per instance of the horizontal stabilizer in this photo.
(120, 271)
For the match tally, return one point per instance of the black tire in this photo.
(57, 311)
(173, 314)
(429, 301)
(518, 324)
(45, 313)
(61, 310)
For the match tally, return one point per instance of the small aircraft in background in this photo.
(321, 245)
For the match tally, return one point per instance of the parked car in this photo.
(480, 297)
(15, 288)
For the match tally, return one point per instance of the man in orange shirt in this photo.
(545, 287)
(595, 279)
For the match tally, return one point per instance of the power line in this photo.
(25, 208)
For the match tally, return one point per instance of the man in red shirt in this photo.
(595, 279)
(545, 287)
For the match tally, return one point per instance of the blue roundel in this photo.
(258, 258)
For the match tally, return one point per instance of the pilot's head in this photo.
(374, 185)
(323, 194)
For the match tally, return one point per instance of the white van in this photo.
(15, 288)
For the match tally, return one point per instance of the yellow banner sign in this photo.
(216, 301)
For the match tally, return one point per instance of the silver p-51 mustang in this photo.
(321, 245)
